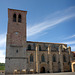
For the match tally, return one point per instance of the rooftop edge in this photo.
(16, 10)
(46, 42)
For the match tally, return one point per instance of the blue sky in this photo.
(47, 21)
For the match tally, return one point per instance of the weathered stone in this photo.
(18, 50)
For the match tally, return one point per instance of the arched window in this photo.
(54, 58)
(64, 58)
(14, 18)
(19, 18)
(42, 58)
(29, 47)
(39, 47)
(31, 58)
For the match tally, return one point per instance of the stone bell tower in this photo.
(16, 42)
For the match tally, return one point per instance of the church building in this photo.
(24, 57)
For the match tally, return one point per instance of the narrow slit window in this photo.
(42, 58)
(16, 51)
(54, 58)
(64, 58)
(31, 58)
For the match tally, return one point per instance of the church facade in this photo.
(24, 56)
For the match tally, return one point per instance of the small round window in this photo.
(16, 33)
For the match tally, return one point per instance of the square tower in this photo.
(16, 41)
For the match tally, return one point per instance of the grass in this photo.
(2, 67)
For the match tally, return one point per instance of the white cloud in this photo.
(69, 37)
(2, 40)
(60, 17)
(73, 48)
(70, 42)
(2, 47)
(2, 56)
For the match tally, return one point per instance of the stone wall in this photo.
(18, 54)
(16, 42)
(56, 66)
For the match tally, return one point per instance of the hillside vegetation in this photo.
(2, 66)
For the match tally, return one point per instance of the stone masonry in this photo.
(24, 56)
